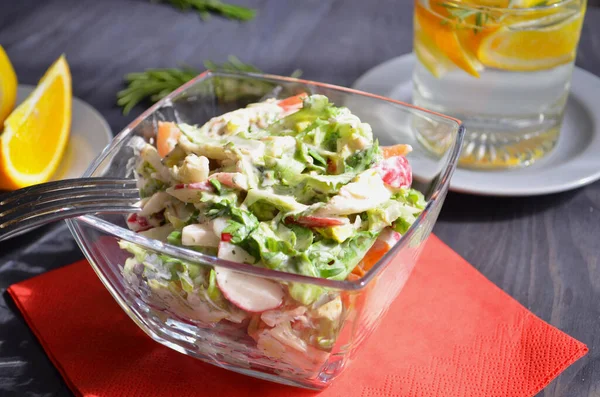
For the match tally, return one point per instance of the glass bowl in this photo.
(250, 343)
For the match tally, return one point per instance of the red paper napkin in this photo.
(451, 332)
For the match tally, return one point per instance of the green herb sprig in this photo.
(205, 7)
(459, 15)
(155, 84)
(152, 84)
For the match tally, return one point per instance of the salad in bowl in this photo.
(270, 238)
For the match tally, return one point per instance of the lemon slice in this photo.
(8, 86)
(531, 3)
(445, 40)
(429, 55)
(524, 3)
(531, 50)
(37, 131)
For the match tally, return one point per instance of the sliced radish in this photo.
(138, 223)
(317, 221)
(219, 224)
(190, 192)
(199, 235)
(249, 293)
(155, 203)
(395, 171)
(233, 253)
(389, 236)
(234, 180)
(204, 186)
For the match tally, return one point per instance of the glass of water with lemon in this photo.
(501, 66)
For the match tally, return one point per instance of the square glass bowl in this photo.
(268, 348)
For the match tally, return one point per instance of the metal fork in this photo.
(52, 201)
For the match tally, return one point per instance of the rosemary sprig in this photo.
(155, 84)
(152, 84)
(233, 64)
(205, 7)
(459, 15)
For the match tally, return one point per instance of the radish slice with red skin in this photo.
(199, 235)
(250, 293)
(138, 223)
(191, 192)
(233, 253)
(395, 172)
(234, 180)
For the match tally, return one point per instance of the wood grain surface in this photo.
(544, 251)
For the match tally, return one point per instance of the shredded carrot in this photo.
(358, 272)
(353, 276)
(377, 251)
(396, 150)
(166, 138)
(292, 102)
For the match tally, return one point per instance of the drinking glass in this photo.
(503, 67)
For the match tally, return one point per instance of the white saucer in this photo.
(90, 134)
(574, 162)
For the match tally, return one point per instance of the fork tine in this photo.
(101, 195)
(64, 205)
(66, 184)
(56, 214)
(51, 201)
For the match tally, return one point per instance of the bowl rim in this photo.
(195, 256)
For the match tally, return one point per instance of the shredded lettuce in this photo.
(265, 245)
(241, 225)
(305, 294)
(363, 159)
(296, 168)
(214, 293)
(334, 260)
(263, 210)
(174, 237)
(138, 252)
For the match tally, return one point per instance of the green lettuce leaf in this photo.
(241, 225)
(265, 245)
(363, 160)
(334, 260)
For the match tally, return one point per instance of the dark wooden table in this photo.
(544, 251)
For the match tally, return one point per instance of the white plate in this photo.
(574, 162)
(90, 133)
